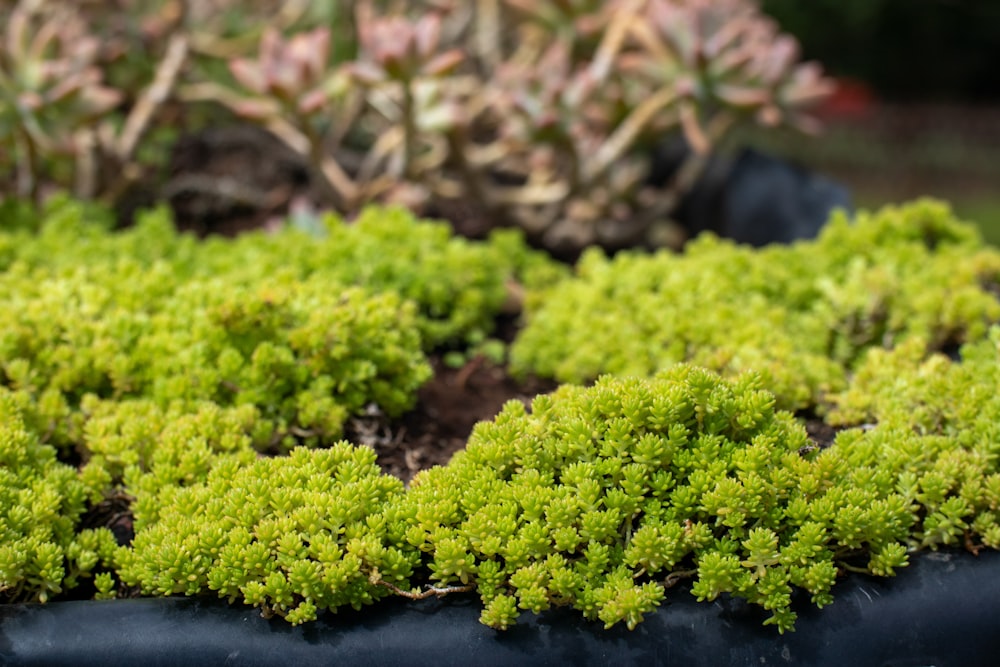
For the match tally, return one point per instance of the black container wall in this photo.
(943, 610)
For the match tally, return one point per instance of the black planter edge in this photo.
(942, 610)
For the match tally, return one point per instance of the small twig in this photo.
(27, 165)
(674, 578)
(226, 188)
(412, 459)
(971, 546)
(854, 568)
(619, 142)
(409, 125)
(430, 592)
(487, 31)
(85, 143)
(530, 194)
(614, 38)
(303, 433)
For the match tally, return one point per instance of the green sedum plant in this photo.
(306, 354)
(932, 421)
(42, 552)
(166, 365)
(458, 285)
(803, 315)
(308, 330)
(139, 446)
(293, 535)
(601, 498)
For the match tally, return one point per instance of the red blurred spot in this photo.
(850, 99)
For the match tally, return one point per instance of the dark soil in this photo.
(448, 406)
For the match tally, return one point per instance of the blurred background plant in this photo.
(538, 114)
(541, 115)
(52, 91)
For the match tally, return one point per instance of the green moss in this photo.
(306, 354)
(169, 369)
(933, 423)
(164, 361)
(458, 285)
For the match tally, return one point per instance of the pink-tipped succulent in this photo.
(724, 56)
(602, 83)
(50, 83)
(549, 124)
(51, 90)
(394, 48)
(291, 74)
(413, 102)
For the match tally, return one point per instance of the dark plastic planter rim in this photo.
(942, 610)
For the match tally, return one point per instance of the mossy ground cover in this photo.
(210, 382)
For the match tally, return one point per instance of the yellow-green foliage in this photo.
(293, 534)
(307, 354)
(598, 496)
(158, 357)
(937, 427)
(41, 500)
(307, 329)
(144, 447)
(457, 285)
(802, 315)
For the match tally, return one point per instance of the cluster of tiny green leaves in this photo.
(41, 500)
(158, 357)
(458, 285)
(306, 353)
(934, 424)
(293, 534)
(168, 363)
(142, 447)
(599, 497)
(802, 315)
(307, 328)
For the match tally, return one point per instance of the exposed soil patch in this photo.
(821, 433)
(448, 406)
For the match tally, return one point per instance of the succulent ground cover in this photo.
(207, 387)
